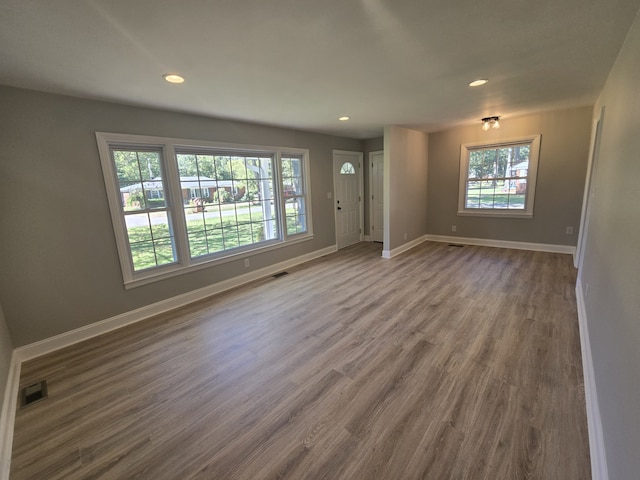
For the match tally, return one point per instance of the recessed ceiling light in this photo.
(173, 78)
(344, 118)
(477, 83)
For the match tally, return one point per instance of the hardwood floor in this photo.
(441, 363)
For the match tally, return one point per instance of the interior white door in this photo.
(347, 179)
(377, 196)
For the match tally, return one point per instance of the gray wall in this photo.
(564, 151)
(610, 273)
(60, 267)
(405, 185)
(6, 349)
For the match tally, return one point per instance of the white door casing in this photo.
(347, 185)
(589, 192)
(376, 188)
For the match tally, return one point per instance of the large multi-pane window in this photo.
(499, 179)
(179, 204)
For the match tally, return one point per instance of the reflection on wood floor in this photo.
(441, 363)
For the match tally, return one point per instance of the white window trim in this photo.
(173, 192)
(532, 174)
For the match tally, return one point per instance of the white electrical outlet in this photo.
(329, 194)
(454, 228)
(247, 262)
(569, 230)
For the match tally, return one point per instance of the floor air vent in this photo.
(280, 274)
(33, 393)
(455, 245)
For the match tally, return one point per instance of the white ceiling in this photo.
(303, 63)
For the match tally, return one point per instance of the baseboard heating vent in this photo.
(33, 393)
(280, 274)
(455, 245)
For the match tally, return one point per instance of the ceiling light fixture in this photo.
(173, 78)
(490, 122)
(479, 82)
(344, 118)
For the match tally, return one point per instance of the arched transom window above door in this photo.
(347, 169)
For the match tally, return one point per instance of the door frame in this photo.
(358, 158)
(371, 183)
(589, 191)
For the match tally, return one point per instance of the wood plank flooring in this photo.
(441, 363)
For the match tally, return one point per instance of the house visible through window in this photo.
(219, 202)
(499, 179)
(198, 192)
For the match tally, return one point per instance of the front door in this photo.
(347, 173)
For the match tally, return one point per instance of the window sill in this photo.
(175, 270)
(495, 214)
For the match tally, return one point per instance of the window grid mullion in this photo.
(146, 209)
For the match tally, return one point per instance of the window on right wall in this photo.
(498, 179)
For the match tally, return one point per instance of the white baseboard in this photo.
(537, 247)
(596, 440)
(8, 416)
(486, 242)
(71, 337)
(403, 248)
